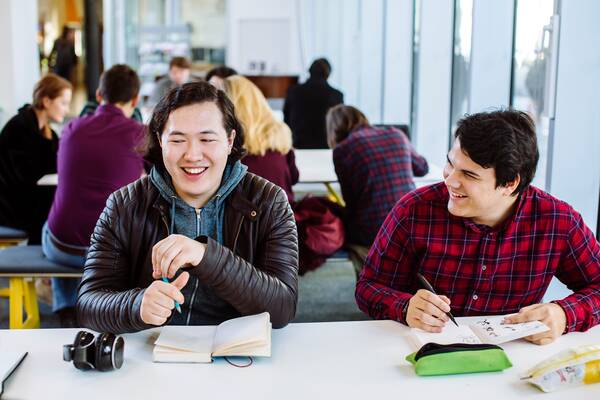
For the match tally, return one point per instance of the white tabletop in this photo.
(48, 180)
(316, 166)
(337, 360)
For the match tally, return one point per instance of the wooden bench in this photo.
(21, 265)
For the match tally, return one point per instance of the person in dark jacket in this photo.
(306, 105)
(267, 140)
(62, 57)
(225, 238)
(375, 168)
(28, 149)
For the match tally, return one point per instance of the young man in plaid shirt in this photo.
(487, 241)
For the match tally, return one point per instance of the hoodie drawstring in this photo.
(173, 198)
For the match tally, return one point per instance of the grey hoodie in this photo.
(208, 220)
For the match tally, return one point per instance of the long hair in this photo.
(185, 95)
(340, 121)
(50, 86)
(262, 130)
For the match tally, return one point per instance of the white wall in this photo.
(491, 54)
(368, 43)
(575, 168)
(20, 59)
(270, 14)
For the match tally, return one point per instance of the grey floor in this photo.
(326, 294)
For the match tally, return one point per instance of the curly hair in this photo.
(185, 95)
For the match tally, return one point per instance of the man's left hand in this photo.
(550, 314)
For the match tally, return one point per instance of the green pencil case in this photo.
(458, 358)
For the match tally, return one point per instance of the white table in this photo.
(48, 180)
(332, 360)
(316, 166)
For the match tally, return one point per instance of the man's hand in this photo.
(426, 311)
(550, 314)
(159, 299)
(174, 252)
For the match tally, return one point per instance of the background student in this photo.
(375, 168)
(267, 140)
(179, 73)
(28, 147)
(217, 76)
(225, 237)
(98, 154)
(306, 105)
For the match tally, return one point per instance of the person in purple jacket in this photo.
(97, 155)
(267, 140)
(375, 167)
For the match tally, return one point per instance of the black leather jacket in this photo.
(255, 270)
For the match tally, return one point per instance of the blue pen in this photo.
(177, 306)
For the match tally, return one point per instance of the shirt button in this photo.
(483, 267)
(475, 297)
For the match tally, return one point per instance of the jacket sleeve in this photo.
(580, 271)
(271, 284)
(106, 302)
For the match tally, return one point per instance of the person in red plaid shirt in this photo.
(487, 241)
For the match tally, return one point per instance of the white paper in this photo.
(492, 330)
(450, 334)
(190, 338)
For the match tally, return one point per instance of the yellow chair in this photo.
(21, 265)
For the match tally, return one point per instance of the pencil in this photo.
(428, 286)
(177, 306)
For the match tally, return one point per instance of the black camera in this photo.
(103, 353)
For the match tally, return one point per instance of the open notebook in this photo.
(244, 336)
(483, 330)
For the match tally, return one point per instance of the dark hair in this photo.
(340, 121)
(50, 86)
(504, 140)
(65, 31)
(320, 68)
(185, 95)
(221, 72)
(180, 62)
(119, 84)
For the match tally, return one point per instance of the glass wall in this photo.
(461, 60)
(532, 52)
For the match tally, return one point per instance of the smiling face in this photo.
(57, 108)
(195, 147)
(473, 192)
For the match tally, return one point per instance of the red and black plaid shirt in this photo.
(482, 270)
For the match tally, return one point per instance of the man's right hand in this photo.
(159, 299)
(427, 311)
